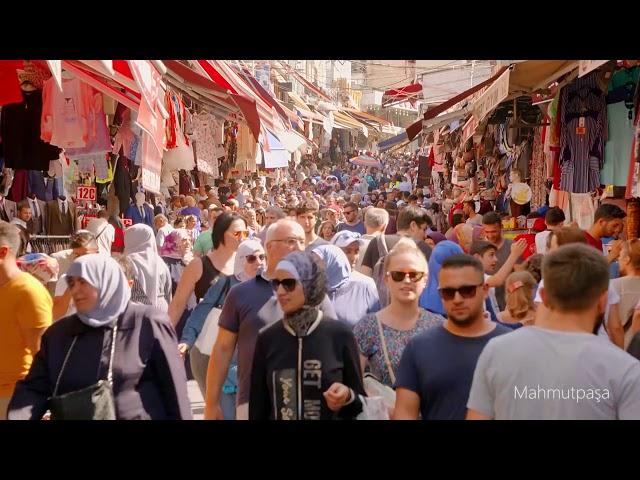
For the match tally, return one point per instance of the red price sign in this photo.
(127, 222)
(86, 194)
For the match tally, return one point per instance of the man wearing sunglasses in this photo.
(436, 369)
(248, 307)
(352, 223)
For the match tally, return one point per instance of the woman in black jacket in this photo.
(148, 376)
(305, 367)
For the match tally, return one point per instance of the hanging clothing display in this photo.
(204, 131)
(577, 207)
(19, 187)
(22, 147)
(67, 116)
(582, 134)
(246, 147)
(620, 116)
(538, 169)
(123, 186)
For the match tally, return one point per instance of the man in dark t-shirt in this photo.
(436, 369)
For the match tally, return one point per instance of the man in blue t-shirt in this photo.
(436, 368)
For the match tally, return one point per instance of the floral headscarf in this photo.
(173, 246)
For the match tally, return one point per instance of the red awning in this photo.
(404, 94)
(246, 106)
(415, 128)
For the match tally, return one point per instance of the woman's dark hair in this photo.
(533, 265)
(457, 219)
(223, 222)
(435, 207)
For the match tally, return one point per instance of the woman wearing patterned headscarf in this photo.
(145, 373)
(305, 366)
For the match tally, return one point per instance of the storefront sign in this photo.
(86, 194)
(492, 96)
(587, 66)
(469, 128)
(127, 222)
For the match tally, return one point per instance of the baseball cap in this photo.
(345, 238)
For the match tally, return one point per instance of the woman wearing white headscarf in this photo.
(147, 378)
(249, 258)
(152, 283)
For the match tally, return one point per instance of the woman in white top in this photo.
(628, 286)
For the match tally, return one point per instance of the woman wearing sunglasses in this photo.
(305, 367)
(382, 336)
(249, 258)
(208, 278)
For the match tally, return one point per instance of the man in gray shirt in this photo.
(558, 369)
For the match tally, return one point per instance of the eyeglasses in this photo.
(253, 258)
(289, 284)
(241, 234)
(349, 212)
(400, 276)
(466, 291)
(291, 242)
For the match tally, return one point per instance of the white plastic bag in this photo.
(373, 408)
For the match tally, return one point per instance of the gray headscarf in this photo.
(106, 276)
(307, 270)
(141, 248)
(246, 248)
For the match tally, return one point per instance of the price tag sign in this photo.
(127, 222)
(86, 194)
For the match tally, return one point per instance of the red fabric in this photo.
(594, 242)
(19, 187)
(530, 238)
(118, 243)
(9, 87)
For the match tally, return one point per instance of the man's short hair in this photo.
(491, 218)
(22, 205)
(574, 276)
(83, 239)
(10, 237)
(462, 260)
(412, 214)
(480, 247)
(276, 211)
(351, 205)
(160, 217)
(376, 217)
(609, 212)
(304, 210)
(471, 203)
(554, 216)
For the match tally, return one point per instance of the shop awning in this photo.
(396, 141)
(533, 75)
(414, 129)
(409, 93)
(366, 116)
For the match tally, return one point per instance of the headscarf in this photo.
(437, 237)
(106, 276)
(336, 265)
(430, 298)
(140, 246)
(246, 248)
(98, 227)
(309, 272)
(172, 246)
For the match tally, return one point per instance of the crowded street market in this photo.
(251, 240)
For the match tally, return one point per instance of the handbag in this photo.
(95, 402)
(209, 332)
(372, 385)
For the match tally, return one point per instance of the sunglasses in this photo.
(466, 291)
(348, 212)
(241, 234)
(400, 276)
(289, 284)
(253, 258)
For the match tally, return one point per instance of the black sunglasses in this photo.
(400, 276)
(466, 291)
(253, 258)
(289, 284)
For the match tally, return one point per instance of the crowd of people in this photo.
(318, 296)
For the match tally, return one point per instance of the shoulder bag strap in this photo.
(64, 364)
(113, 351)
(383, 343)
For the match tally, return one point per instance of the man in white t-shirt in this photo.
(554, 218)
(557, 369)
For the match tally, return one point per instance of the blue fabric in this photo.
(430, 298)
(336, 266)
(134, 214)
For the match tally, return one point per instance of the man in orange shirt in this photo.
(25, 313)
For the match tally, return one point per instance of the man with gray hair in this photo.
(25, 314)
(163, 228)
(375, 223)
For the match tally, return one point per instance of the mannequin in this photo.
(140, 211)
(519, 194)
(38, 223)
(60, 215)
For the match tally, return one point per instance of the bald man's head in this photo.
(283, 237)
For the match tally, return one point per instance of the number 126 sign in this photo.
(86, 194)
